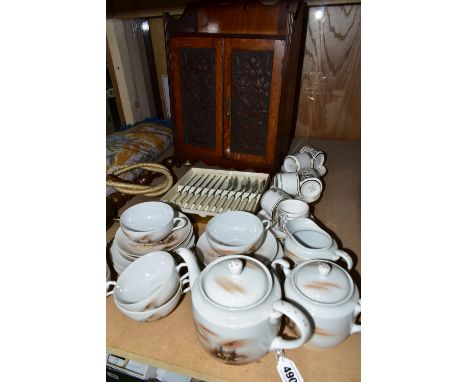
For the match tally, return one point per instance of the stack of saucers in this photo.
(149, 227)
(149, 288)
(238, 232)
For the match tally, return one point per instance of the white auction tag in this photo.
(287, 369)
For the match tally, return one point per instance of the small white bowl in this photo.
(151, 279)
(160, 312)
(235, 232)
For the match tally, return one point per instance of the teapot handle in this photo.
(284, 265)
(346, 257)
(108, 284)
(356, 327)
(300, 321)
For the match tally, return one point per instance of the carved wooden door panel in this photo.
(252, 89)
(197, 91)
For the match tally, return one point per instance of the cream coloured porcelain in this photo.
(150, 222)
(328, 294)
(154, 314)
(237, 309)
(235, 232)
(307, 241)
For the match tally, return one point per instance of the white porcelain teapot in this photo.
(326, 291)
(237, 309)
(307, 241)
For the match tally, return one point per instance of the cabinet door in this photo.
(197, 92)
(252, 88)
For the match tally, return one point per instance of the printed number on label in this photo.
(288, 371)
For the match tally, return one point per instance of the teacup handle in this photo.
(345, 256)
(108, 284)
(356, 327)
(176, 227)
(266, 224)
(300, 321)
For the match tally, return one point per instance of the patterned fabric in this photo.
(144, 142)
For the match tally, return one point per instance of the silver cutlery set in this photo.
(209, 192)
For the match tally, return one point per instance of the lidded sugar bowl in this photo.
(237, 309)
(328, 294)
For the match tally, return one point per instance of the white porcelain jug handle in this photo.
(300, 321)
(108, 284)
(176, 227)
(345, 256)
(284, 264)
(356, 327)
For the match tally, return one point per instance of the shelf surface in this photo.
(171, 343)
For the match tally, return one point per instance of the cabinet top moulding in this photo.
(235, 17)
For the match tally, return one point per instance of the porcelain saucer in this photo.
(117, 258)
(134, 249)
(269, 250)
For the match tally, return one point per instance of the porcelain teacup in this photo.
(271, 198)
(150, 222)
(290, 209)
(293, 163)
(149, 281)
(156, 313)
(235, 232)
(317, 156)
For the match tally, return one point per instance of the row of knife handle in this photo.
(212, 200)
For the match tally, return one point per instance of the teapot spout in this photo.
(190, 260)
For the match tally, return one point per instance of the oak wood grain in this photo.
(277, 46)
(176, 43)
(330, 98)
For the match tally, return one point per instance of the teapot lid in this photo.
(236, 281)
(323, 281)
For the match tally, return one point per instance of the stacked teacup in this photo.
(301, 174)
(297, 185)
(238, 233)
(150, 287)
(149, 227)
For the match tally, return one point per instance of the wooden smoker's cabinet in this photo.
(234, 70)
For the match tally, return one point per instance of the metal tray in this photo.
(205, 192)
